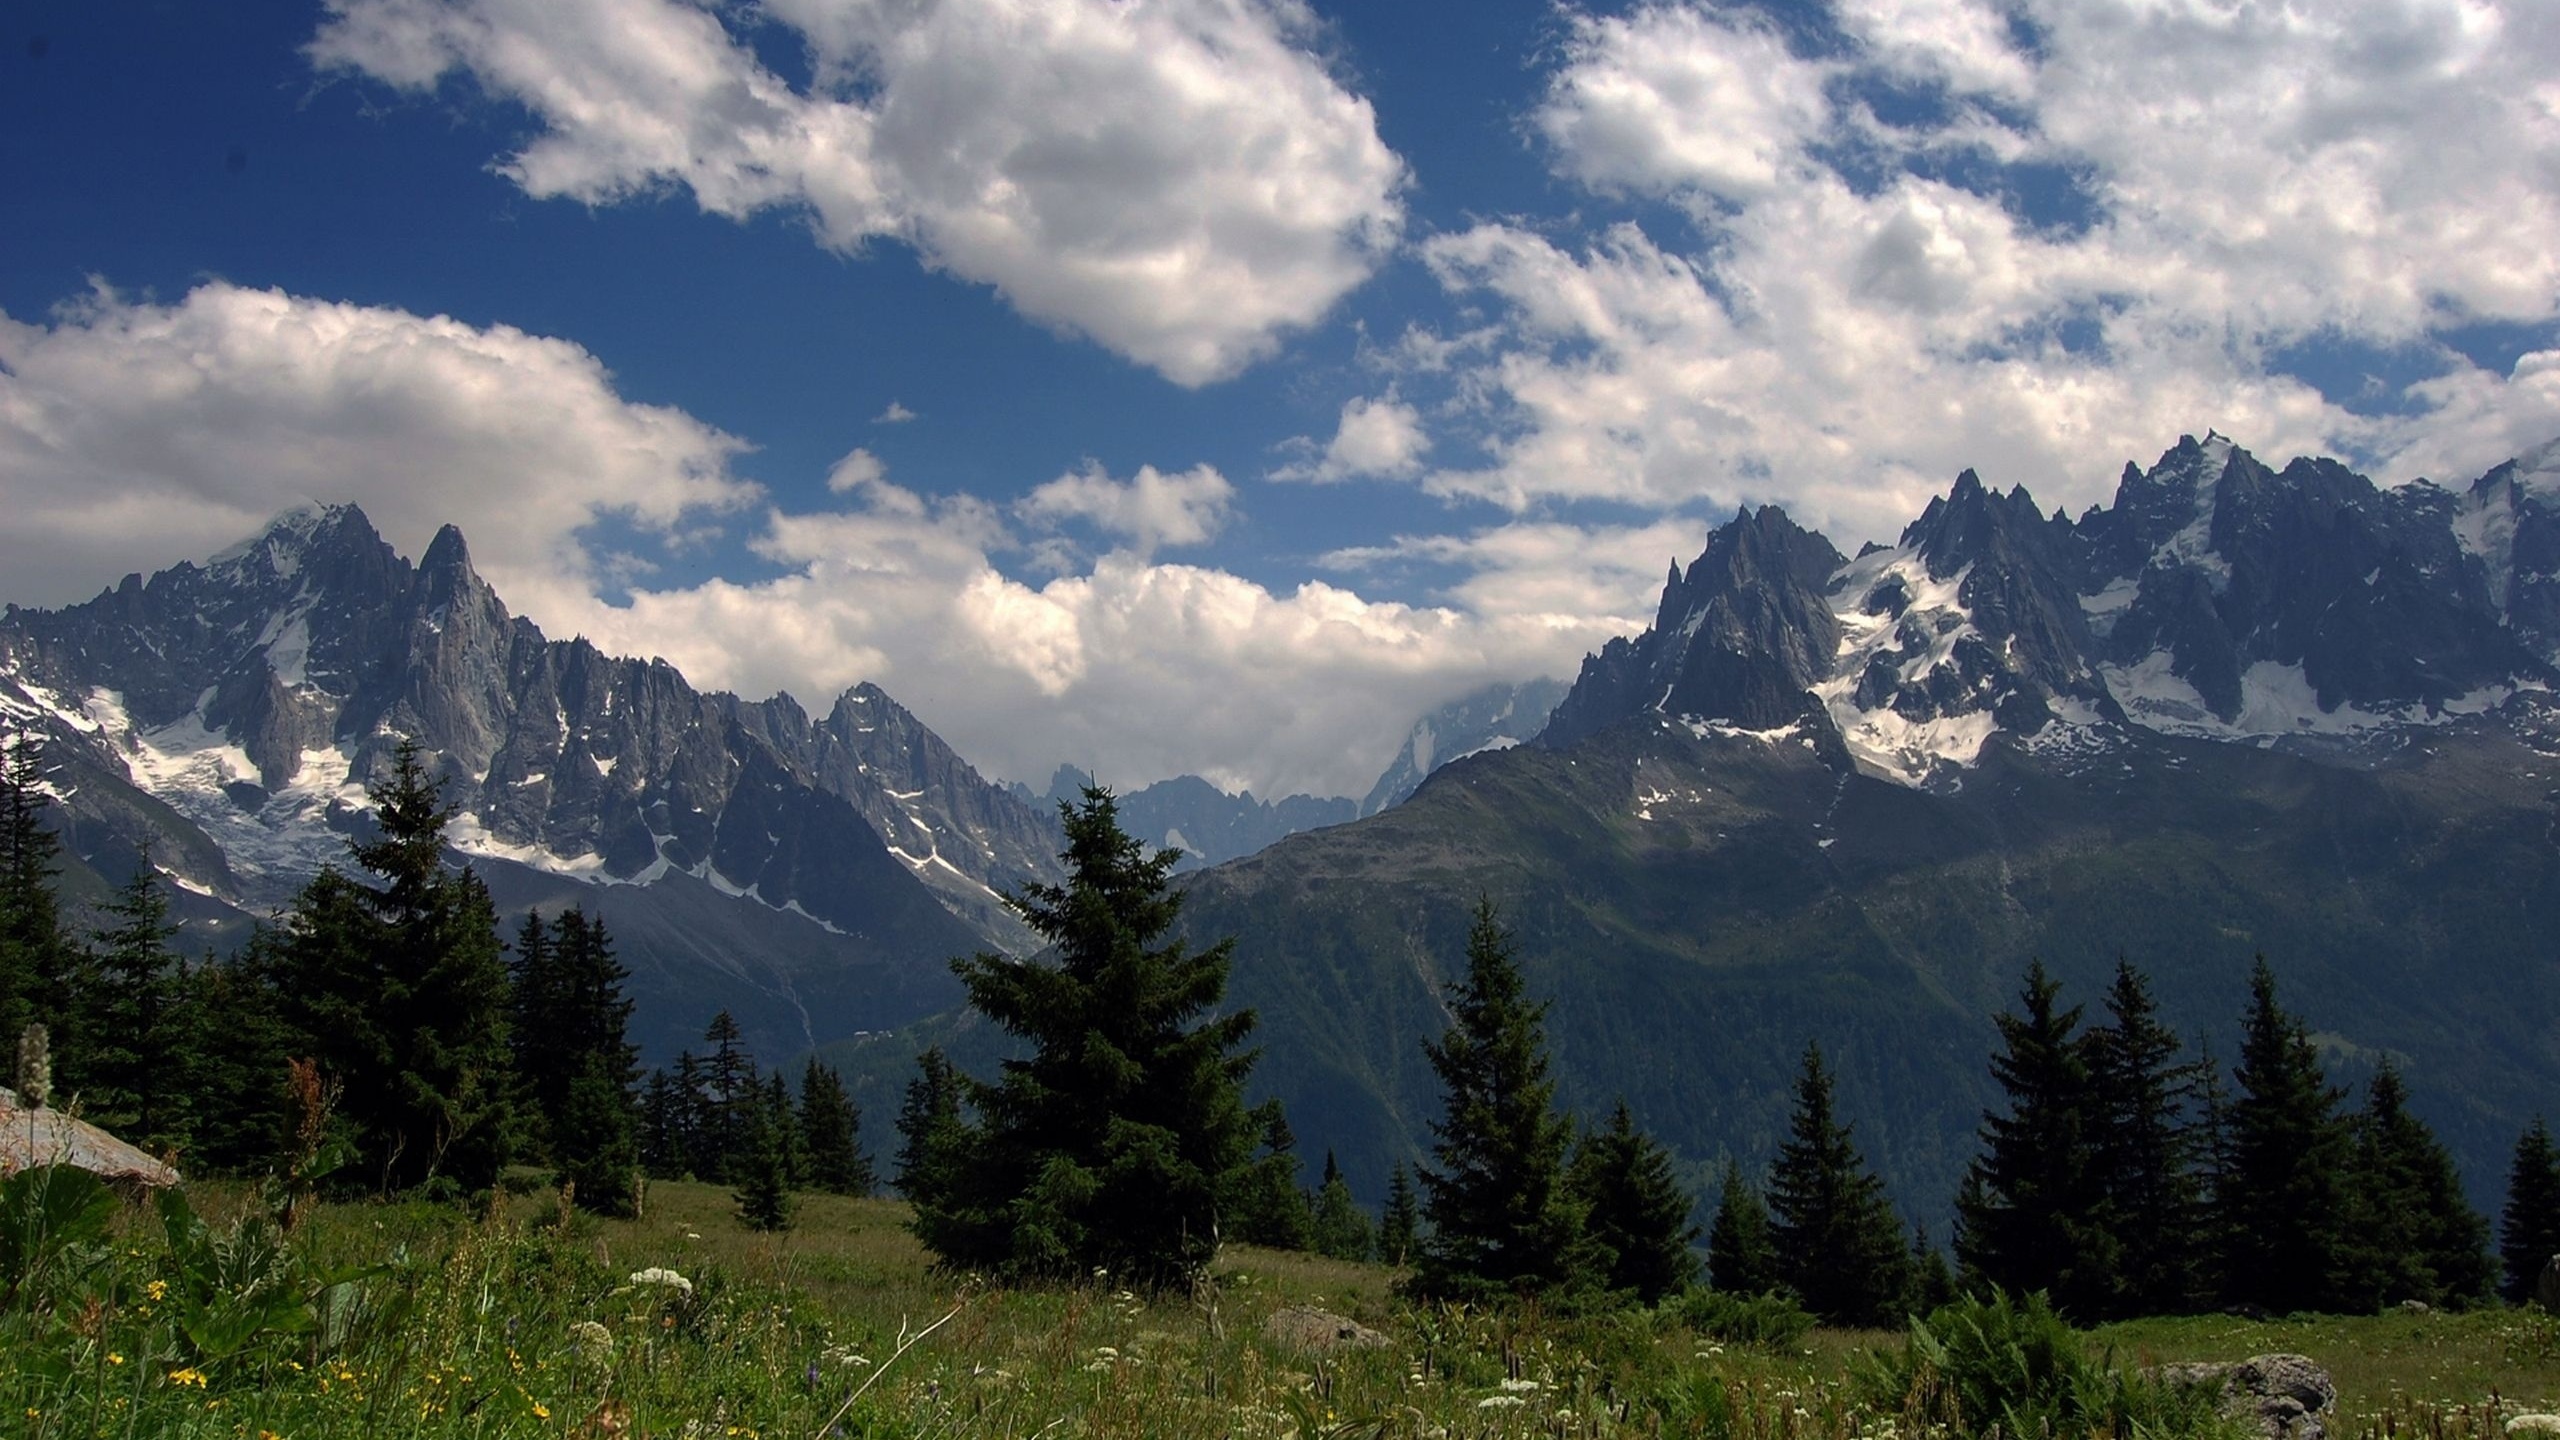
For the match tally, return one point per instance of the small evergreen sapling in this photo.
(1742, 1259)
(1635, 1212)
(1400, 1224)
(1340, 1228)
(831, 1130)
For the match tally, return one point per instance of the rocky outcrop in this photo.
(2285, 1396)
(1306, 1329)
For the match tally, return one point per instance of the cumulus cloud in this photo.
(1379, 437)
(135, 434)
(1863, 307)
(858, 468)
(1148, 510)
(896, 414)
(1181, 180)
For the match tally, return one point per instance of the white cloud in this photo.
(1150, 509)
(858, 468)
(1181, 180)
(2357, 172)
(132, 435)
(896, 414)
(1379, 437)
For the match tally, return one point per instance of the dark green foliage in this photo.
(725, 1090)
(2412, 1235)
(1401, 1222)
(400, 992)
(831, 1132)
(1503, 1220)
(929, 1129)
(1741, 1258)
(1340, 1228)
(2283, 1200)
(242, 1045)
(1267, 1206)
(784, 1122)
(35, 956)
(1839, 1244)
(136, 1074)
(1993, 1366)
(2145, 1154)
(1769, 1321)
(1933, 1280)
(763, 1170)
(596, 1145)
(666, 1118)
(1634, 1211)
(2529, 1225)
(1114, 1143)
(577, 1071)
(2031, 1217)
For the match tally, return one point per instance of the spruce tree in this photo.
(1635, 1212)
(785, 1123)
(831, 1130)
(763, 1168)
(2413, 1236)
(667, 1123)
(727, 1092)
(1503, 1220)
(1268, 1206)
(587, 1021)
(1340, 1228)
(2529, 1225)
(2146, 1152)
(137, 1072)
(2033, 1217)
(1113, 1144)
(242, 1046)
(36, 957)
(597, 1144)
(1400, 1224)
(533, 1010)
(930, 1130)
(2283, 1202)
(1933, 1280)
(1742, 1259)
(1840, 1245)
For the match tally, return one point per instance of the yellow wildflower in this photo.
(157, 1290)
(541, 1411)
(114, 1359)
(187, 1376)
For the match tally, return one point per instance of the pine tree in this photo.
(1400, 1224)
(1503, 1220)
(137, 1073)
(2033, 1218)
(1113, 1144)
(401, 993)
(1268, 1206)
(584, 1071)
(832, 1131)
(1839, 1244)
(2283, 1202)
(785, 1124)
(1340, 1228)
(2413, 1236)
(668, 1122)
(1933, 1280)
(930, 1130)
(2529, 1226)
(727, 1091)
(533, 1010)
(1742, 1259)
(242, 1045)
(598, 1146)
(2145, 1156)
(36, 957)
(763, 1168)
(1634, 1210)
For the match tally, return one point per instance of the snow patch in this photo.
(1934, 616)
(2276, 700)
(2107, 607)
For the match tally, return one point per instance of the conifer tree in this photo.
(1503, 1220)
(1340, 1228)
(136, 1073)
(1840, 1246)
(1400, 1224)
(1114, 1143)
(1742, 1259)
(763, 1167)
(785, 1123)
(727, 1090)
(242, 1045)
(1268, 1206)
(1635, 1212)
(929, 1130)
(2413, 1236)
(401, 993)
(2529, 1225)
(597, 1149)
(533, 1004)
(667, 1122)
(2145, 1155)
(1933, 1280)
(831, 1130)
(2032, 1217)
(2283, 1201)
(36, 957)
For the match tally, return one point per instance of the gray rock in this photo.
(1320, 1332)
(2285, 1395)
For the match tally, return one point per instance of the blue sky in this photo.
(1214, 385)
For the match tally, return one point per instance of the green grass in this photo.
(512, 1323)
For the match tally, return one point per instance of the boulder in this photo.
(33, 1135)
(1320, 1332)
(2284, 1395)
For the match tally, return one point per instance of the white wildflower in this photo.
(591, 1340)
(2534, 1425)
(1499, 1402)
(1520, 1386)
(661, 1275)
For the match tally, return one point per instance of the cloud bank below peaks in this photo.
(1181, 180)
(2032, 238)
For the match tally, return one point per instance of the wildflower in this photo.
(1517, 1386)
(187, 1376)
(2534, 1425)
(591, 1340)
(156, 1290)
(661, 1275)
(541, 1411)
(114, 1359)
(1499, 1402)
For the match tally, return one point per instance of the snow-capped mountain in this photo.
(1496, 717)
(229, 714)
(2215, 598)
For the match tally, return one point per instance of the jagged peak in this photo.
(448, 551)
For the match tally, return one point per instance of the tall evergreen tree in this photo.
(1340, 1228)
(242, 1046)
(2412, 1235)
(2529, 1225)
(1400, 1224)
(585, 1071)
(727, 1091)
(1741, 1257)
(832, 1130)
(1635, 1212)
(763, 1166)
(2034, 1218)
(1840, 1245)
(2283, 1202)
(400, 990)
(667, 1123)
(596, 1148)
(1113, 1144)
(36, 957)
(136, 1072)
(1503, 1220)
(1268, 1206)
(2146, 1153)
(785, 1124)
(930, 1130)
(533, 1005)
